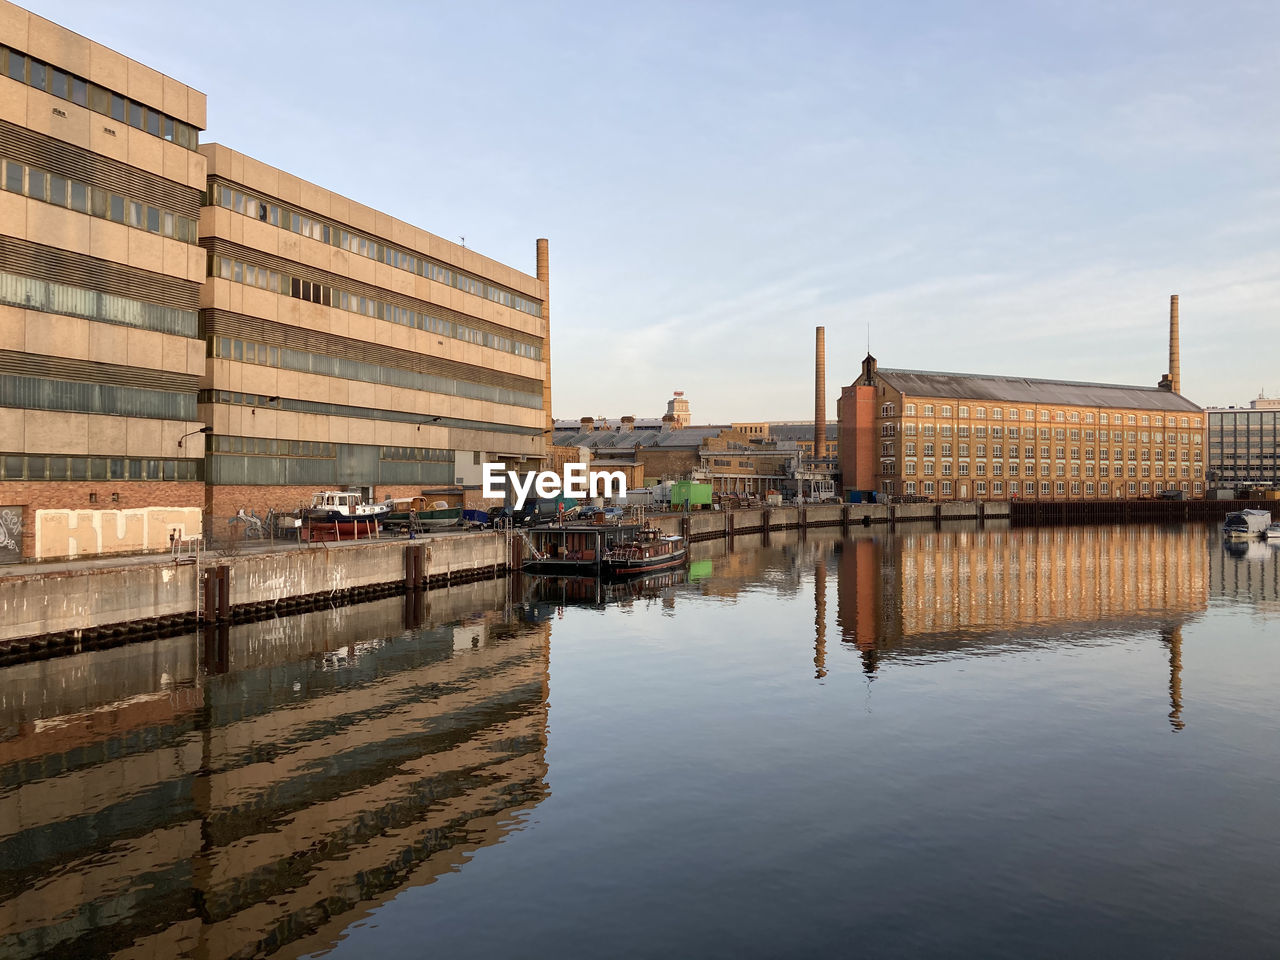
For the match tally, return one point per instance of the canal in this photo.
(931, 742)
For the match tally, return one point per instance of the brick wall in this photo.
(74, 495)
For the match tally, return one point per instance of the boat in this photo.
(1246, 524)
(651, 550)
(436, 513)
(342, 505)
(573, 549)
(1273, 532)
(337, 530)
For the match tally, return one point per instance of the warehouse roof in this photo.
(978, 386)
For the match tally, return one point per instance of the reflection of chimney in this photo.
(820, 616)
(1175, 375)
(1173, 637)
(820, 395)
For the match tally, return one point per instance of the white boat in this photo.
(1273, 532)
(341, 505)
(1247, 524)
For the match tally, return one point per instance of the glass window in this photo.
(57, 190)
(98, 202)
(79, 92)
(58, 85)
(135, 115)
(13, 176)
(57, 468)
(153, 123)
(153, 219)
(135, 213)
(36, 184)
(168, 128)
(182, 134)
(116, 209)
(99, 99)
(79, 197)
(17, 67)
(38, 73)
(117, 107)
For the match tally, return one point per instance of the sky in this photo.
(1010, 188)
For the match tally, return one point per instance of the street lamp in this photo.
(193, 433)
(432, 420)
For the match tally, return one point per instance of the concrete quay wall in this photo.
(35, 603)
(38, 603)
(710, 524)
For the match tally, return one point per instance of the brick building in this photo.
(948, 436)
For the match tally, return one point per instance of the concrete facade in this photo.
(350, 349)
(100, 278)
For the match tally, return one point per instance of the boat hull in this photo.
(641, 565)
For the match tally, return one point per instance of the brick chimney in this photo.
(820, 395)
(1175, 373)
(588, 424)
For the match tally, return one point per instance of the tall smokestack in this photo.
(1175, 375)
(820, 396)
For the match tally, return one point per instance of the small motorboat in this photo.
(1273, 532)
(1247, 524)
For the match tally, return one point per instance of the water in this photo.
(937, 743)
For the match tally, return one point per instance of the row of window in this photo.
(33, 393)
(1028, 489)
(16, 466)
(324, 472)
(63, 192)
(1029, 452)
(69, 301)
(268, 211)
(262, 446)
(928, 468)
(282, 283)
(247, 351)
(67, 86)
(1030, 433)
(362, 413)
(1075, 416)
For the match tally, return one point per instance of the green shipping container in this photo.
(694, 494)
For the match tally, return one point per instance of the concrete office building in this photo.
(1244, 444)
(348, 349)
(100, 276)
(948, 436)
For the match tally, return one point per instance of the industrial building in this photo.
(949, 436)
(1244, 444)
(100, 279)
(347, 349)
(186, 332)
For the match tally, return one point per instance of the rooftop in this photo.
(979, 386)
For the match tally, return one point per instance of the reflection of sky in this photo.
(711, 798)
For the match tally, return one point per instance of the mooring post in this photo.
(224, 592)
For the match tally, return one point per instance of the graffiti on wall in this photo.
(79, 533)
(10, 534)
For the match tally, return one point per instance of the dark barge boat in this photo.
(575, 549)
(650, 551)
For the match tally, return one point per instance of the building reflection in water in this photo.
(153, 807)
(936, 591)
